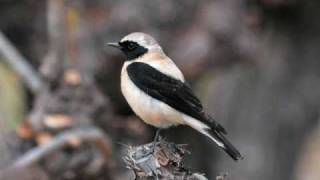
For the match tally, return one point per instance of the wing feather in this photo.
(171, 91)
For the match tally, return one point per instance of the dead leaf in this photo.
(74, 142)
(24, 130)
(161, 157)
(58, 121)
(72, 77)
(43, 138)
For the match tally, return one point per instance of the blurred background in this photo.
(253, 63)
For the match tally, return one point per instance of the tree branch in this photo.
(54, 62)
(164, 164)
(20, 64)
(90, 134)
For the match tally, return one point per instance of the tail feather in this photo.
(227, 146)
(215, 133)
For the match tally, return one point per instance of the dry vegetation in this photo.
(254, 64)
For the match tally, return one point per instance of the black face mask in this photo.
(132, 50)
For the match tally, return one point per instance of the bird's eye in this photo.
(131, 46)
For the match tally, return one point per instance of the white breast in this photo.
(150, 110)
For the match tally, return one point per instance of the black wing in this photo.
(169, 90)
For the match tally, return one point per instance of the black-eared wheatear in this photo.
(157, 92)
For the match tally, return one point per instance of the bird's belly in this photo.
(149, 109)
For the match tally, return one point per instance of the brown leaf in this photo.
(24, 131)
(74, 142)
(58, 121)
(43, 138)
(163, 161)
(72, 77)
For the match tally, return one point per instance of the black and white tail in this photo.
(216, 134)
(224, 144)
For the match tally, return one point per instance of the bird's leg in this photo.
(156, 136)
(155, 140)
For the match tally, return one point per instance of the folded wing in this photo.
(179, 96)
(171, 91)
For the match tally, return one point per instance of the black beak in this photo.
(116, 45)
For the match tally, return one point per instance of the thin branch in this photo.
(53, 62)
(90, 134)
(20, 64)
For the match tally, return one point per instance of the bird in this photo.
(157, 92)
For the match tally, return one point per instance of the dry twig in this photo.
(63, 139)
(164, 163)
(20, 64)
(54, 62)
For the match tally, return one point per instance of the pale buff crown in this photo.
(144, 40)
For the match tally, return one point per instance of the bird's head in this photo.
(136, 44)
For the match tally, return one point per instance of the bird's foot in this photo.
(154, 144)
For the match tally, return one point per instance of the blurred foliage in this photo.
(254, 63)
(12, 95)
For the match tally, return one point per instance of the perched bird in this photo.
(156, 90)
